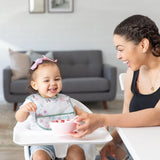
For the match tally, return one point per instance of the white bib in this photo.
(49, 109)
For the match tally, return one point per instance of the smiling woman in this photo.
(137, 41)
(128, 52)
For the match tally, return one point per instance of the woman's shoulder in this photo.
(129, 72)
(129, 76)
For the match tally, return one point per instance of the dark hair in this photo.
(29, 88)
(137, 27)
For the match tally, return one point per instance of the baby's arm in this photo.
(23, 112)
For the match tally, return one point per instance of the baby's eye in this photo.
(57, 79)
(46, 80)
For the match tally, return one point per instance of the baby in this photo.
(46, 104)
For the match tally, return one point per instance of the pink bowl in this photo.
(62, 127)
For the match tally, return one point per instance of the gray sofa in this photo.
(85, 78)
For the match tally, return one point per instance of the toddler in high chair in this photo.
(46, 104)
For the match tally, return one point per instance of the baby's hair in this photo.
(29, 88)
(137, 27)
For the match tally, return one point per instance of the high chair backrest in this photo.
(121, 80)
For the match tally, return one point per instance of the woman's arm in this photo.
(127, 90)
(146, 117)
(143, 118)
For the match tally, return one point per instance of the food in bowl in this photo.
(62, 127)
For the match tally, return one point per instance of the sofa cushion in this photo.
(73, 64)
(19, 86)
(70, 85)
(83, 85)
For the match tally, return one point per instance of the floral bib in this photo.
(49, 109)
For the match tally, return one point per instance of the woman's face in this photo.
(128, 52)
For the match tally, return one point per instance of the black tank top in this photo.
(141, 101)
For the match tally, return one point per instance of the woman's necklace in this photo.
(153, 85)
(152, 88)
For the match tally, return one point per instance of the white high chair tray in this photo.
(23, 136)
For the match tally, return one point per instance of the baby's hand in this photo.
(29, 107)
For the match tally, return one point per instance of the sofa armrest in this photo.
(7, 74)
(110, 73)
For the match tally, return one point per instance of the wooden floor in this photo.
(11, 153)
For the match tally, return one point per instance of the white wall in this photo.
(90, 26)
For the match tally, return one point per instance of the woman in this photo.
(137, 41)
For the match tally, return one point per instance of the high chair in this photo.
(25, 137)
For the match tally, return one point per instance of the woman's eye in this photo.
(119, 49)
(46, 80)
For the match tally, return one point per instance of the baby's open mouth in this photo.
(52, 90)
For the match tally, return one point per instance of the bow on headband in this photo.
(40, 60)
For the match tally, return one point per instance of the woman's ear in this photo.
(144, 44)
(34, 85)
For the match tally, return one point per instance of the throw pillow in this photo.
(20, 64)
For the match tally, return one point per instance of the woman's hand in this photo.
(88, 122)
(108, 150)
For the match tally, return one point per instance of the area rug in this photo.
(7, 122)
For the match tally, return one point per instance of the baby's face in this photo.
(47, 80)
